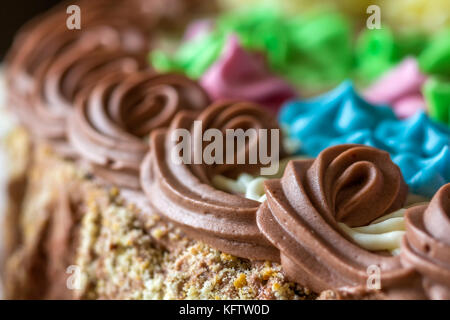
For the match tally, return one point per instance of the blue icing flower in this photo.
(334, 115)
(425, 175)
(420, 147)
(417, 134)
(417, 145)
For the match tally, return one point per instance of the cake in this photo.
(122, 184)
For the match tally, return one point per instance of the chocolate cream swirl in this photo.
(112, 120)
(47, 36)
(67, 76)
(50, 64)
(352, 184)
(184, 193)
(426, 246)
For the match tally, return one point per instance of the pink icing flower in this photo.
(400, 88)
(238, 74)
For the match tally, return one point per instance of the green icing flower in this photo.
(435, 59)
(437, 94)
(192, 58)
(320, 50)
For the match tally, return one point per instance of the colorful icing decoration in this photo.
(238, 74)
(437, 95)
(193, 57)
(338, 114)
(310, 51)
(419, 146)
(400, 88)
(426, 245)
(435, 59)
(378, 50)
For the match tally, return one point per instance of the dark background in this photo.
(14, 13)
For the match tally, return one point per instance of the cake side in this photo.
(14, 146)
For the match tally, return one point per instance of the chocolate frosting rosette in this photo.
(112, 120)
(426, 246)
(47, 36)
(352, 184)
(55, 94)
(183, 191)
(54, 64)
